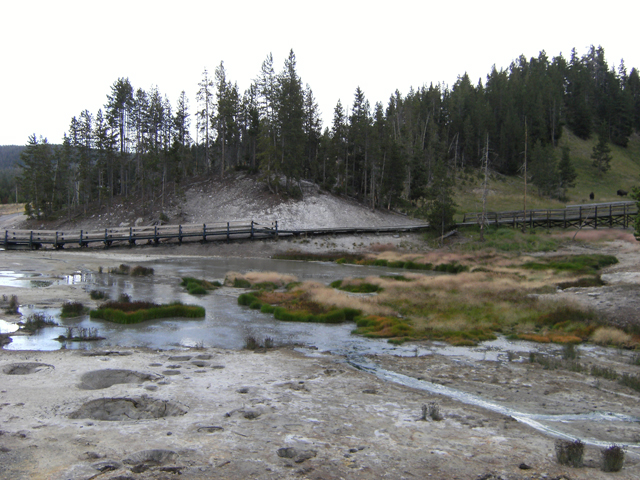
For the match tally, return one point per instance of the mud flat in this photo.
(215, 413)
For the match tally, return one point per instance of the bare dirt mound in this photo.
(239, 196)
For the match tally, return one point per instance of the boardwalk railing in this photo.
(594, 215)
(131, 235)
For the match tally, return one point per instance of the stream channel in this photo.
(227, 325)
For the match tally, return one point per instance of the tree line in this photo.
(405, 150)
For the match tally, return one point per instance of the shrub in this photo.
(570, 453)
(98, 295)
(121, 270)
(612, 459)
(251, 343)
(70, 309)
(452, 267)
(12, 307)
(140, 271)
(124, 298)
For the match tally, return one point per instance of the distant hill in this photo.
(9, 155)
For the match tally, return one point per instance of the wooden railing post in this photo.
(610, 217)
(596, 219)
(81, 238)
(228, 231)
(204, 232)
(106, 238)
(180, 234)
(6, 239)
(276, 228)
(251, 228)
(31, 240)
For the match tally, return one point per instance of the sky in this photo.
(58, 58)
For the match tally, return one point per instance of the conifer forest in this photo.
(405, 149)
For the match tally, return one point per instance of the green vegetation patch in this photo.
(199, 287)
(508, 239)
(136, 312)
(573, 263)
(293, 307)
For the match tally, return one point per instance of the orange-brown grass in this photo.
(534, 337)
(262, 277)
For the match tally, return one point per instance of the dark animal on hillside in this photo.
(591, 196)
(622, 193)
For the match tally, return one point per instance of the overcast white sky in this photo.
(60, 57)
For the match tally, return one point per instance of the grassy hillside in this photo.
(506, 193)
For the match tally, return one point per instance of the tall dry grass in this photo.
(611, 336)
(253, 278)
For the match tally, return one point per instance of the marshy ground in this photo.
(276, 413)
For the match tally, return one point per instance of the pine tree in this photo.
(601, 153)
(566, 171)
(543, 169)
(440, 207)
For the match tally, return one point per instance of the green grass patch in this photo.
(452, 267)
(573, 263)
(508, 239)
(136, 312)
(199, 287)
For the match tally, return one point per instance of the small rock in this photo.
(107, 465)
(371, 391)
(305, 455)
(287, 452)
(524, 466)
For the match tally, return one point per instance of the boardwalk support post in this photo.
(81, 244)
(180, 234)
(31, 240)
(276, 229)
(227, 232)
(204, 232)
(251, 228)
(155, 235)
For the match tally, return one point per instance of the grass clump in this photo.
(82, 335)
(98, 295)
(72, 309)
(136, 312)
(199, 287)
(631, 381)
(37, 321)
(12, 304)
(570, 453)
(612, 459)
(355, 287)
(607, 373)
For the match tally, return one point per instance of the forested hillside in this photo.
(9, 159)
(412, 148)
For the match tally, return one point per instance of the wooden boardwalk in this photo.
(605, 215)
(154, 235)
